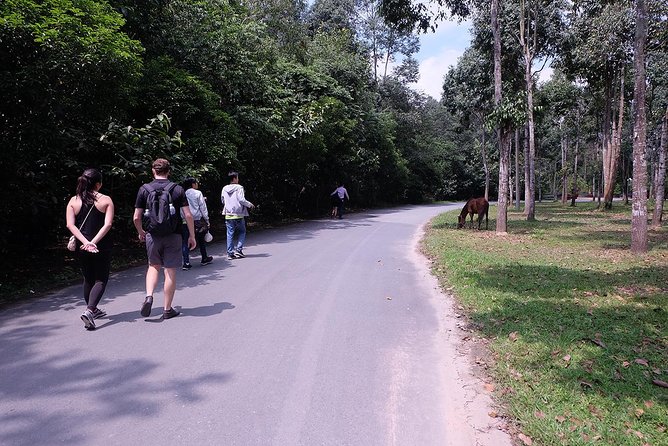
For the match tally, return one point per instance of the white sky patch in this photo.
(433, 69)
(545, 74)
(439, 51)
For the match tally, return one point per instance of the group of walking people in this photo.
(171, 219)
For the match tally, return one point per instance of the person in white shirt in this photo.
(342, 195)
(200, 213)
(235, 209)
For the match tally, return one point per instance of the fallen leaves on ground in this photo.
(567, 359)
(525, 439)
(658, 382)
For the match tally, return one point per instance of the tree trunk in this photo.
(564, 166)
(660, 180)
(574, 189)
(529, 44)
(525, 148)
(517, 169)
(484, 164)
(611, 161)
(639, 208)
(502, 204)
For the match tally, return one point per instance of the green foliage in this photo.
(65, 68)
(509, 113)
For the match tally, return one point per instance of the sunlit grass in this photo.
(579, 324)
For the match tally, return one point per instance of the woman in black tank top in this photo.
(89, 217)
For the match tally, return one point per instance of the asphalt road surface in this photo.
(329, 332)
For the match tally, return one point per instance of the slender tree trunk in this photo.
(564, 166)
(625, 183)
(485, 165)
(574, 189)
(525, 148)
(660, 180)
(517, 169)
(504, 149)
(615, 142)
(639, 208)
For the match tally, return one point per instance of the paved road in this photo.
(326, 334)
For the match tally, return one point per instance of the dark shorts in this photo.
(164, 250)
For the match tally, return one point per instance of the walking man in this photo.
(235, 208)
(158, 204)
(342, 194)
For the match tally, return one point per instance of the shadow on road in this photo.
(114, 389)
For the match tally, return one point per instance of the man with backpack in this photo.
(157, 219)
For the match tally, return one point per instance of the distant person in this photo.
(200, 213)
(89, 217)
(334, 202)
(157, 203)
(235, 208)
(342, 194)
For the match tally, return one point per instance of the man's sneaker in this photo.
(87, 318)
(231, 256)
(207, 260)
(98, 313)
(168, 314)
(146, 306)
(239, 254)
(186, 266)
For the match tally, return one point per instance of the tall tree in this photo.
(540, 28)
(598, 50)
(660, 180)
(502, 130)
(639, 214)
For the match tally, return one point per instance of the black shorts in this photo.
(164, 250)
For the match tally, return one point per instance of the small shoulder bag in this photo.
(72, 242)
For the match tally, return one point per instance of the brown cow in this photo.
(478, 206)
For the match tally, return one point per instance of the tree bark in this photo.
(517, 169)
(529, 159)
(504, 149)
(639, 207)
(485, 165)
(574, 190)
(525, 148)
(660, 180)
(611, 158)
(564, 166)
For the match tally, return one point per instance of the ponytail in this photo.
(86, 185)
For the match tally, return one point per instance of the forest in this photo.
(297, 96)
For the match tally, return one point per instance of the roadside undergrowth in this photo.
(578, 325)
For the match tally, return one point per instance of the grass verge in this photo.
(578, 324)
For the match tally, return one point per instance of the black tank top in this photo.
(92, 226)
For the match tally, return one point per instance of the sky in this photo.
(440, 50)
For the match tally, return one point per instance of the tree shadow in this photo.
(108, 389)
(553, 306)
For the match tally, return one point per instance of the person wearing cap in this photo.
(200, 213)
(164, 251)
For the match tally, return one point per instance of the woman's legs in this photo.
(95, 269)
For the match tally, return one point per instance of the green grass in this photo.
(578, 324)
